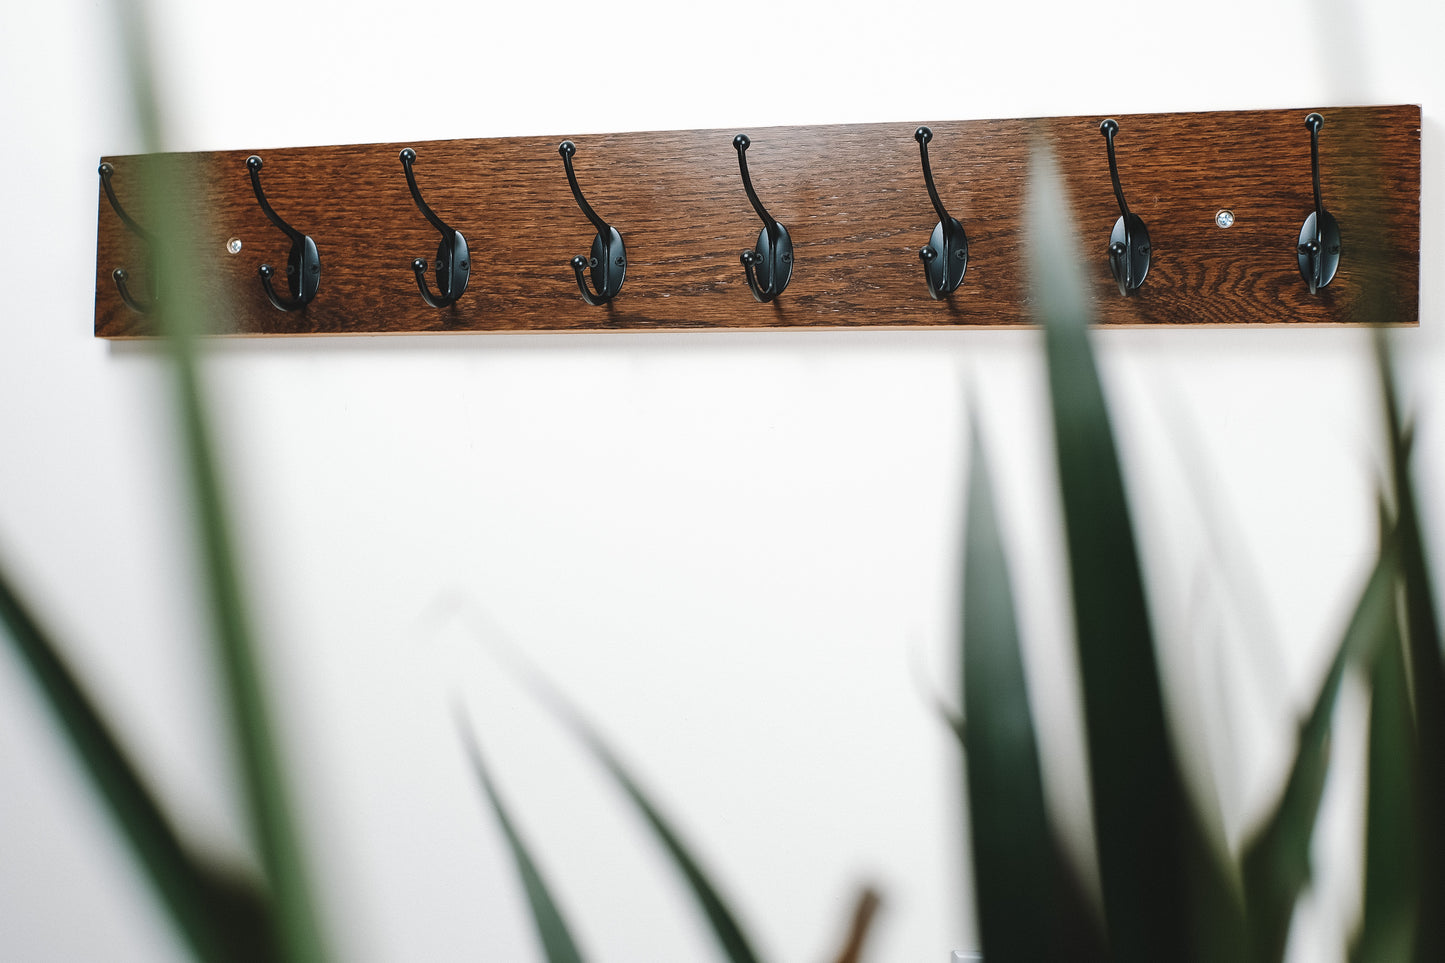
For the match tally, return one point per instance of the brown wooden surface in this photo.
(852, 197)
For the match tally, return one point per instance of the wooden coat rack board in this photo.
(853, 199)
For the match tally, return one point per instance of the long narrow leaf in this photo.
(1276, 861)
(860, 926)
(1166, 895)
(551, 926)
(1026, 909)
(179, 313)
(725, 926)
(264, 783)
(204, 903)
(1392, 855)
(1427, 668)
(729, 933)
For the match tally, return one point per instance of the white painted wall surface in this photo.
(735, 550)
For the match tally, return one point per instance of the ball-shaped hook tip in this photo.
(926, 254)
(566, 148)
(1314, 122)
(120, 276)
(266, 271)
(1109, 127)
(419, 264)
(923, 135)
(105, 169)
(749, 257)
(408, 156)
(741, 142)
(579, 262)
(253, 163)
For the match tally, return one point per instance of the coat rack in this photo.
(1204, 218)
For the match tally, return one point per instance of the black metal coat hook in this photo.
(453, 263)
(769, 264)
(119, 275)
(608, 257)
(945, 256)
(1319, 239)
(1129, 242)
(303, 263)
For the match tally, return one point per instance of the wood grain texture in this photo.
(852, 197)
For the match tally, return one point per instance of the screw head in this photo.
(1224, 218)
(234, 245)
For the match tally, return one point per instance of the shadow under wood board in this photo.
(853, 199)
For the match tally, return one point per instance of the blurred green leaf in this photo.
(1392, 880)
(1426, 667)
(1029, 905)
(179, 313)
(551, 926)
(1276, 860)
(221, 916)
(725, 927)
(263, 779)
(1167, 895)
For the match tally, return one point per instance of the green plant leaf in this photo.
(1276, 860)
(1029, 905)
(1392, 819)
(729, 933)
(179, 313)
(1426, 667)
(725, 926)
(551, 926)
(263, 779)
(221, 916)
(1167, 894)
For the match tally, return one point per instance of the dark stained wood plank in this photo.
(852, 197)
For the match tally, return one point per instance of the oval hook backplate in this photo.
(1328, 254)
(1129, 250)
(453, 251)
(607, 260)
(773, 264)
(948, 263)
(303, 271)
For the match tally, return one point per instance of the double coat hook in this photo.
(1129, 242)
(303, 263)
(769, 264)
(1319, 239)
(119, 275)
(453, 263)
(945, 256)
(608, 257)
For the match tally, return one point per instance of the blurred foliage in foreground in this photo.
(1168, 890)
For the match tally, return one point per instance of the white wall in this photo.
(734, 549)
